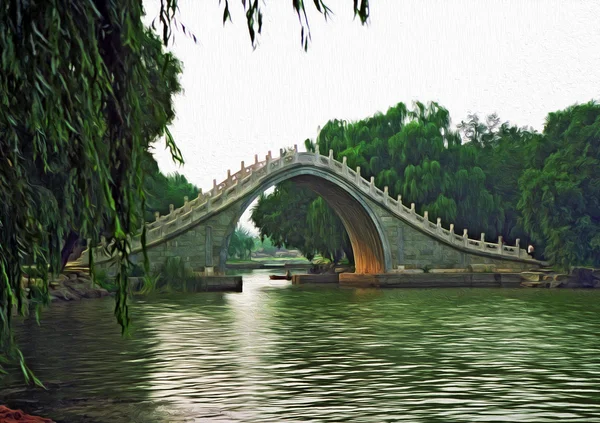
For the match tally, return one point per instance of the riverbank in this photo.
(76, 284)
(71, 285)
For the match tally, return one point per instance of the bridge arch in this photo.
(364, 227)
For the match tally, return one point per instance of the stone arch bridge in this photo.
(384, 233)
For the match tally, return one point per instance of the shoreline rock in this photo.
(578, 278)
(17, 416)
(69, 286)
(75, 287)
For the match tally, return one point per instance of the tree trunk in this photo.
(67, 249)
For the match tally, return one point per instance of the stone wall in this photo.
(413, 248)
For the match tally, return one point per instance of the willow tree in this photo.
(560, 189)
(74, 86)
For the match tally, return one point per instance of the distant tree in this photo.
(295, 217)
(241, 244)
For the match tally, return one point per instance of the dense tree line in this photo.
(486, 176)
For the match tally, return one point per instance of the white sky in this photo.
(519, 58)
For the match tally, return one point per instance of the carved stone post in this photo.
(208, 253)
(426, 219)
(518, 249)
(500, 245)
(466, 237)
(358, 175)
(372, 186)
(345, 166)
(269, 163)
(156, 216)
(483, 241)
(386, 195)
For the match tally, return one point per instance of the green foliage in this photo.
(174, 272)
(418, 155)
(295, 217)
(241, 244)
(265, 245)
(103, 281)
(254, 16)
(560, 192)
(85, 89)
(150, 284)
(162, 191)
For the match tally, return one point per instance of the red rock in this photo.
(17, 416)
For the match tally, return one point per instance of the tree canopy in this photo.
(560, 190)
(295, 217)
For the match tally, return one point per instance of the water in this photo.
(278, 352)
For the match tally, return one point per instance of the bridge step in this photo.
(431, 280)
(317, 278)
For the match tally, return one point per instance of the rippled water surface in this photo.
(278, 352)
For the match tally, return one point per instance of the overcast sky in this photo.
(519, 58)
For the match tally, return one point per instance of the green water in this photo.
(278, 352)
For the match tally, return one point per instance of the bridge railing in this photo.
(405, 213)
(239, 183)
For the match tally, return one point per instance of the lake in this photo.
(280, 352)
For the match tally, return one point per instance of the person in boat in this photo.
(531, 251)
(288, 274)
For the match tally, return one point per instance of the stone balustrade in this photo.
(247, 178)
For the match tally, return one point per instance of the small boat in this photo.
(281, 277)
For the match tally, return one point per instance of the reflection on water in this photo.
(278, 352)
